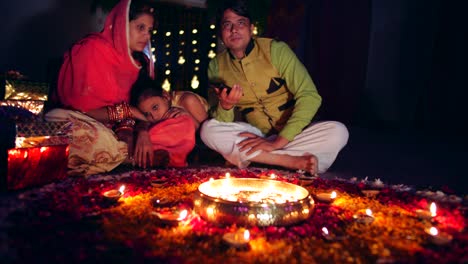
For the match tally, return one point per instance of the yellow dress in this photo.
(177, 95)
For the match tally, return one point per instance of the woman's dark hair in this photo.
(143, 88)
(240, 7)
(140, 7)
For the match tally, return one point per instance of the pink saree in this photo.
(99, 71)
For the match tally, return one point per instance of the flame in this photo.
(333, 195)
(121, 189)
(325, 231)
(368, 212)
(183, 214)
(210, 211)
(433, 231)
(433, 209)
(227, 175)
(273, 176)
(246, 235)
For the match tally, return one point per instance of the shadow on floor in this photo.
(419, 159)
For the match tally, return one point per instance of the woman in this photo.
(94, 88)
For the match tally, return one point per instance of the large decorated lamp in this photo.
(253, 202)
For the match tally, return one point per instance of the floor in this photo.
(420, 159)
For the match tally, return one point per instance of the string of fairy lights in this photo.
(182, 52)
(182, 47)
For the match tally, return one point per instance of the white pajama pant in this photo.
(322, 139)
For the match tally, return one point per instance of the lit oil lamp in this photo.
(161, 202)
(226, 176)
(364, 218)
(251, 201)
(331, 237)
(438, 238)
(427, 215)
(326, 197)
(370, 193)
(114, 195)
(171, 216)
(270, 176)
(158, 182)
(237, 239)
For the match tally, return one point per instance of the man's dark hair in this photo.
(239, 7)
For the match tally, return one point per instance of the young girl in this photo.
(173, 141)
(94, 85)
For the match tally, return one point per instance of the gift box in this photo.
(25, 90)
(41, 128)
(39, 151)
(33, 108)
(34, 166)
(40, 154)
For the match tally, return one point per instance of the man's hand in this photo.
(254, 143)
(228, 100)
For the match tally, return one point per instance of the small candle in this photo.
(114, 194)
(161, 202)
(172, 216)
(158, 182)
(237, 239)
(226, 176)
(370, 193)
(427, 215)
(331, 237)
(306, 180)
(366, 218)
(326, 197)
(438, 238)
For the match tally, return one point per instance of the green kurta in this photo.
(279, 94)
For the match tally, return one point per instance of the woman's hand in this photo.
(143, 149)
(228, 99)
(126, 135)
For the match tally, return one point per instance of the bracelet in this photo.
(119, 112)
(126, 124)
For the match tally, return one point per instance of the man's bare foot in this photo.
(309, 163)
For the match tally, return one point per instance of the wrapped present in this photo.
(26, 90)
(27, 167)
(40, 151)
(42, 128)
(12, 107)
(40, 155)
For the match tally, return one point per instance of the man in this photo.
(274, 93)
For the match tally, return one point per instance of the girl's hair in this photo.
(144, 88)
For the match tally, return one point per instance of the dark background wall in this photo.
(386, 63)
(33, 32)
(379, 62)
